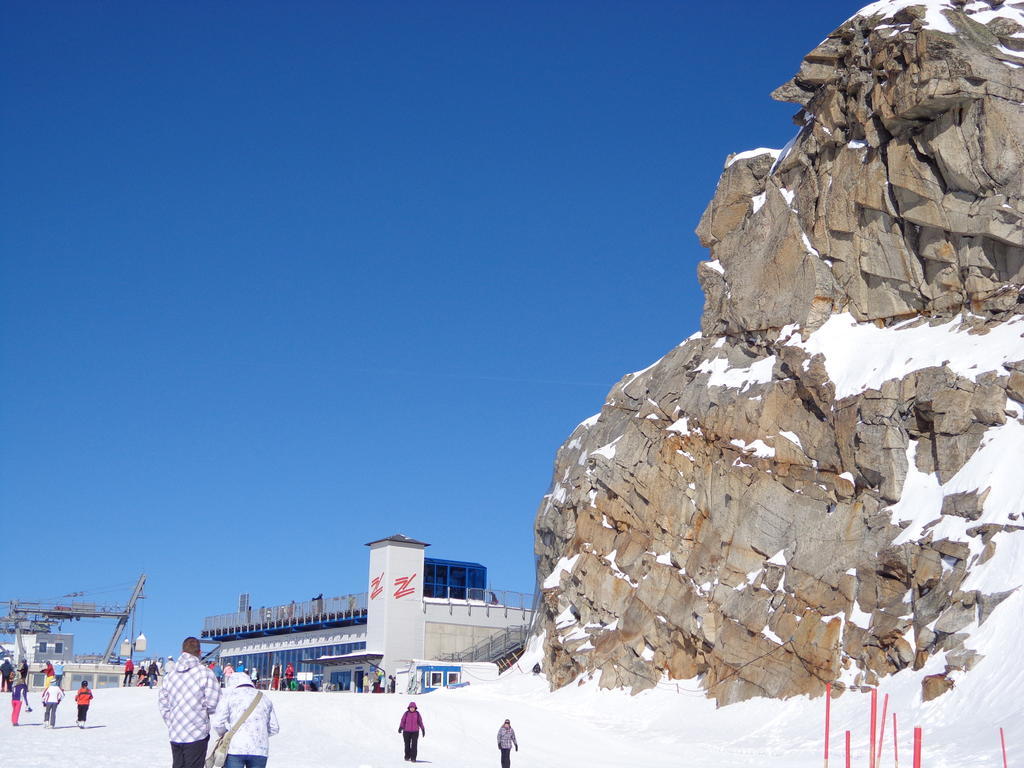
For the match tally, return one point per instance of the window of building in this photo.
(263, 663)
(58, 648)
(42, 646)
(436, 679)
(453, 579)
(453, 678)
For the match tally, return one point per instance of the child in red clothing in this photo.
(83, 699)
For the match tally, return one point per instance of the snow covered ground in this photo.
(576, 726)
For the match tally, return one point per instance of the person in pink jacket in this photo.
(410, 727)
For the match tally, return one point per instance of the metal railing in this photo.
(325, 609)
(494, 597)
(493, 648)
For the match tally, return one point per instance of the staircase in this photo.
(503, 648)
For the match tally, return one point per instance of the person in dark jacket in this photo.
(507, 740)
(410, 727)
(6, 673)
(152, 674)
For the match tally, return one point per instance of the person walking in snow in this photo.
(507, 740)
(6, 673)
(129, 673)
(52, 697)
(19, 698)
(187, 698)
(152, 674)
(250, 744)
(410, 726)
(83, 699)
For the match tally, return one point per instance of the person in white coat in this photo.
(51, 697)
(251, 743)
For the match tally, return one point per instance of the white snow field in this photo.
(579, 725)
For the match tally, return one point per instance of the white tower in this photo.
(394, 616)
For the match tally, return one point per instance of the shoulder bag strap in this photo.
(243, 718)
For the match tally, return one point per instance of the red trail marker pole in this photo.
(881, 735)
(895, 742)
(847, 749)
(917, 748)
(1002, 740)
(828, 713)
(874, 723)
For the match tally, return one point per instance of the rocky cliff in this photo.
(816, 487)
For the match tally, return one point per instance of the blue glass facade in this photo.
(454, 579)
(264, 661)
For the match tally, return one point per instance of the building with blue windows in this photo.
(452, 578)
(414, 608)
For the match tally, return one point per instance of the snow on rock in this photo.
(750, 153)
(934, 19)
(608, 451)
(995, 468)
(792, 437)
(722, 375)
(779, 558)
(829, 505)
(565, 564)
(860, 356)
(758, 447)
(682, 426)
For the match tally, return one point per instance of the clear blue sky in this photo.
(278, 279)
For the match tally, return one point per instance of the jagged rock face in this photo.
(734, 512)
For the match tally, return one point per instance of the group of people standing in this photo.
(147, 675)
(8, 672)
(16, 681)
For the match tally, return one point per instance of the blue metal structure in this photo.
(455, 579)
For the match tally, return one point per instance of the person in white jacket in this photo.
(251, 743)
(51, 698)
(187, 699)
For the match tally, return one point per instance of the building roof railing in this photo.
(342, 611)
(496, 598)
(291, 617)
